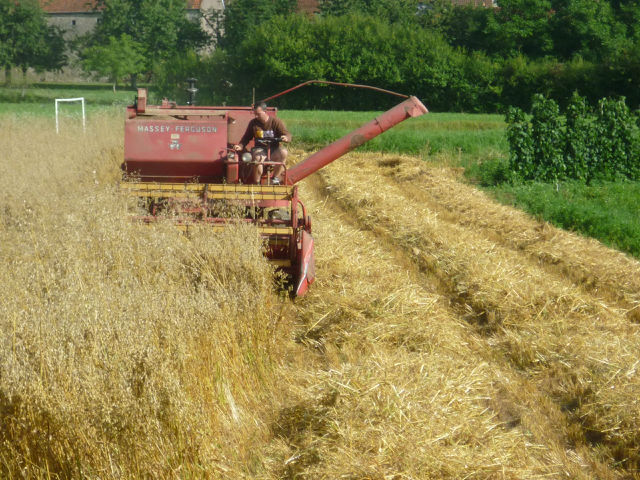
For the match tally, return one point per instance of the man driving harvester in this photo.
(264, 127)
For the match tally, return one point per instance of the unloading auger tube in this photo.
(411, 107)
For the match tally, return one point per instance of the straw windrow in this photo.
(580, 351)
(402, 386)
(586, 261)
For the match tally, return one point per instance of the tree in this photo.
(521, 26)
(360, 49)
(426, 13)
(119, 58)
(465, 26)
(47, 52)
(159, 29)
(26, 40)
(241, 17)
(587, 28)
(628, 12)
(391, 10)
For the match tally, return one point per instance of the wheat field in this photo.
(446, 336)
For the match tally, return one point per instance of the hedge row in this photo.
(288, 50)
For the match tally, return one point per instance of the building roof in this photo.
(86, 6)
(67, 6)
(308, 6)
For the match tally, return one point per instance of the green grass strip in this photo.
(609, 211)
(47, 95)
(456, 134)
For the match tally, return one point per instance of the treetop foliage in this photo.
(25, 38)
(121, 57)
(160, 29)
(241, 17)
(355, 48)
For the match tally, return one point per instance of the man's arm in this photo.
(248, 135)
(280, 128)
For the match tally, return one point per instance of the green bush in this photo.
(580, 144)
(490, 173)
(617, 144)
(547, 132)
(579, 149)
(521, 154)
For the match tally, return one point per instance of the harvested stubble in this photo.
(580, 351)
(401, 387)
(125, 351)
(586, 261)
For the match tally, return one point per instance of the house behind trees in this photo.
(79, 17)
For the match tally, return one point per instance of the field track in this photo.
(428, 288)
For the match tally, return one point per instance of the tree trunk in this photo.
(7, 75)
(134, 81)
(24, 81)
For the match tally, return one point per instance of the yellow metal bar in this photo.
(210, 196)
(213, 191)
(219, 228)
(209, 186)
(276, 230)
(280, 262)
(182, 112)
(278, 241)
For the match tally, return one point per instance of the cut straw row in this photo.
(401, 388)
(580, 351)
(586, 261)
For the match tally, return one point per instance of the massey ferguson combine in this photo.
(180, 162)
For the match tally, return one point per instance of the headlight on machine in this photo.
(231, 156)
(246, 157)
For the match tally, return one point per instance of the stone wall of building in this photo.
(74, 24)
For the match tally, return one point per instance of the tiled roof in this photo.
(75, 6)
(67, 6)
(475, 3)
(308, 6)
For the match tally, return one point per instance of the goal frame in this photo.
(69, 100)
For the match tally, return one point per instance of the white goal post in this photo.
(80, 99)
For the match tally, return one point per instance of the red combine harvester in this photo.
(180, 160)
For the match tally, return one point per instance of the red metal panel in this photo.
(184, 143)
(307, 266)
(167, 149)
(141, 101)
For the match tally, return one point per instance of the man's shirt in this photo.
(255, 127)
